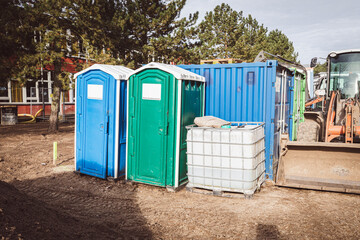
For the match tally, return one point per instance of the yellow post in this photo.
(54, 153)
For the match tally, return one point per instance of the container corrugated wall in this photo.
(251, 92)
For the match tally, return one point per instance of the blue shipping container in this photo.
(251, 92)
(100, 124)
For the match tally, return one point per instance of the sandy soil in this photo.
(39, 200)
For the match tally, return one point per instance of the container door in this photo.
(152, 128)
(95, 122)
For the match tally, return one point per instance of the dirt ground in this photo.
(41, 201)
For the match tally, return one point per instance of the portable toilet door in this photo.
(162, 100)
(100, 127)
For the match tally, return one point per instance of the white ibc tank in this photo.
(226, 159)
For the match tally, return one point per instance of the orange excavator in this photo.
(349, 128)
(326, 155)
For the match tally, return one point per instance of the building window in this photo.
(16, 92)
(4, 92)
(31, 91)
(45, 75)
(3, 89)
(69, 96)
(43, 91)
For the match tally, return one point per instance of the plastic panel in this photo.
(226, 159)
(86, 160)
(139, 163)
(191, 107)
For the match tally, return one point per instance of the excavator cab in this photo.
(344, 74)
(326, 155)
(343, 113)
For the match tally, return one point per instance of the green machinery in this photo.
(299, 99)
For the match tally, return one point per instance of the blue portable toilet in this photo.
(100, 121)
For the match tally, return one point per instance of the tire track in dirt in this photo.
(82, 205)
(76, 200)
(113, 209)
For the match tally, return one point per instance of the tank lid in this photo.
(117, 71)
(179, 73)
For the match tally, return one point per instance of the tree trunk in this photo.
(55, 105)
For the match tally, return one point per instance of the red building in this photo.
(30, 97)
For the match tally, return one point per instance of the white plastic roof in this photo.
(179, 73)
(345, 51)
(117, 71)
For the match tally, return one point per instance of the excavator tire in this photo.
(308, 131)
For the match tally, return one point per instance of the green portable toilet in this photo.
(162, 100)
(299, 98)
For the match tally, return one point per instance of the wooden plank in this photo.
(219, 193)
(320, 188)
(318, 145)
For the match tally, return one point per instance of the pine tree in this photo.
(52, 23)
(252, 40)
(224, 32)
(101, 27)
(219, 31)
(320, 68)
(15, 38)
(156, 32)
(176, 46)
(279, 44)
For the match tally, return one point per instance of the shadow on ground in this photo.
(266, 231)
(70, 206)
(31, 128)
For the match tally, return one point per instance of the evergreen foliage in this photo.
(320, 68)
(15, 39)
(219, 32)
(226, 33)
(39, 34)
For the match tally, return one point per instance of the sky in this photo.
(316, 27)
